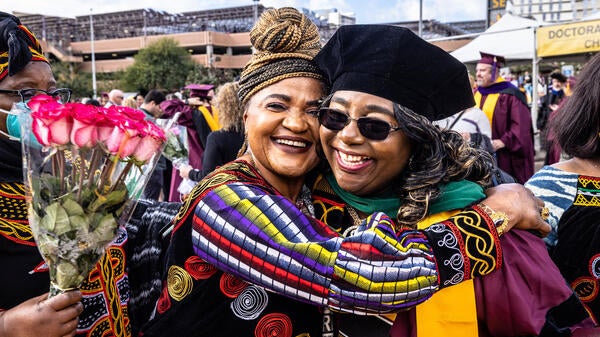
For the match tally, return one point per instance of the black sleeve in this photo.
(201, 127)
(211, 158)
(196, 175)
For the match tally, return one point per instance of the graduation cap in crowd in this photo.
(496, 61)
(394, 63)
(199, 90)
(558, 76)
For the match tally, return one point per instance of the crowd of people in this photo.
(336, 190)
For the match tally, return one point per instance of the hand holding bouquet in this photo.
(176, 147)
(77, 159)
(176, 150)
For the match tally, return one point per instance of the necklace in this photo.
(590, 162)
(582, 166)
(356, 221)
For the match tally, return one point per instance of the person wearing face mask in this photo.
(100, 307)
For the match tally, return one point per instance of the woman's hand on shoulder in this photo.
(43, 316)
(520, 205)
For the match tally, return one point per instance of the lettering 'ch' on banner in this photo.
(566, 39)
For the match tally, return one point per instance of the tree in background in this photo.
(204, 75)
(67, 77)
(161, 65)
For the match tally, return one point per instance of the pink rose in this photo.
(147, 148)
(39, 100)
(85, 118)
(130, 113)
(150, 143)
(108, 120)
(52, 122)
(129, 145)
(125, 137)
(114, 140)
(155, 131)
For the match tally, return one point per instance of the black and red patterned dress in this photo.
(25, 275)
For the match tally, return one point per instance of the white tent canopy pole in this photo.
(534, 83)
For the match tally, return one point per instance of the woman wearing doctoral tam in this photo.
(376, 133)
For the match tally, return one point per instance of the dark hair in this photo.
(438, 157)
(557, 75)
(577, 123)
(93, 102)
(158, 96)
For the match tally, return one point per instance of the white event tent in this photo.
(512, 37)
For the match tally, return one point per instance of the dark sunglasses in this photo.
(63, 94)
(370, 128)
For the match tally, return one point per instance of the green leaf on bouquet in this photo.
(56, 214)
(79, 222)
(68, 275)
(87, 194)
(48, 222)
(103, 202)
(106, 230)
(49, 187)
(48, 246)
(72, 207)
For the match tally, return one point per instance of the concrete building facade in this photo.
(216, 38)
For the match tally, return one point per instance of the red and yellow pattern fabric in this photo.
(105, 291)
(34, 47)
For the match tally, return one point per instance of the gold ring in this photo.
(545, 213)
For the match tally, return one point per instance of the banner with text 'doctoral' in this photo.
(568, 39)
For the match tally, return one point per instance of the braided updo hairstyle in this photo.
(285, 42)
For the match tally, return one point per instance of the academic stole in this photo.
(489, 105)
(212, 119)
(452, 311)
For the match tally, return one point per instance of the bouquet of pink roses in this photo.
(78, 158)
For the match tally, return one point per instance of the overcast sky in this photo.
(366, 11)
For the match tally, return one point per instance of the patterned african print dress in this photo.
(25, 275)
(263, 245)
(577, 252)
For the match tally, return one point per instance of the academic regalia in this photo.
(195, 148)
(511, 123)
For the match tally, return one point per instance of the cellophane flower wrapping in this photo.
(83, 166)
(176, 150)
